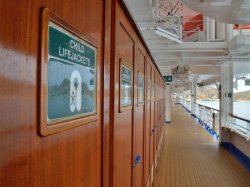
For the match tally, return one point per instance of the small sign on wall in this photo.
(149, 90)
(140, 88)
(168, 79)
(126, 87)
(152, 91)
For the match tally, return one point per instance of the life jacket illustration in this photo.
(75, 91)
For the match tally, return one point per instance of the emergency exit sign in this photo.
(168, 78)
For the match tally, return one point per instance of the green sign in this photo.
(140, 88)
(168, 78)
(152, 92)
(71, 75)
(126, 87)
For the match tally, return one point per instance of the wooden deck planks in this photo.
(191, 157)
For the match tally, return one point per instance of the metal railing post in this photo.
(248, 131)
(213, 114)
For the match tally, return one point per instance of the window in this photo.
(241, 90)
(208, 96)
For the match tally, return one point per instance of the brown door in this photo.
(139, 103)
(152, 135)
(155, 122)
(148, 122)
(123, 103)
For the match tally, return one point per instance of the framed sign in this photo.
(71, 91)
(140, 91)
(149, 90)
(125, 87)
(152, 92)
(69, 83)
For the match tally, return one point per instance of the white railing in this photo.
(208, 116)
(239, 125)
(186, 104)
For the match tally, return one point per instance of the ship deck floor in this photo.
(190, 156)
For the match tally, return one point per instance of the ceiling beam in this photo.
(205, 58)
(189, 50)
(189, 46)
(197, 58)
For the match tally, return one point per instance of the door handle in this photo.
(152, 131)
(137, 160)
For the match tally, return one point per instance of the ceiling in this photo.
(229, 11)
(204, 58)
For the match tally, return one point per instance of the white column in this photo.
(169, 104)
(193, 96)
(229, 87)
(206, 28)
(229, 32)
(220, 30)
(211, 29)
(223, 99)
(226, 102)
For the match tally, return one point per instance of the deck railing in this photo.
(239, 125)
(209, 116)
(186, 104)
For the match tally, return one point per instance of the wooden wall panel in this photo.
(13, 87)
(152, 136)
(156, 120)
(139, 121)
(97, 154)
(123, 120)
(70, 158)
(148, 121)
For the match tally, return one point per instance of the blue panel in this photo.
(238, 154)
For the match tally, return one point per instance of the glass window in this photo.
(241, 90)
(208, 96)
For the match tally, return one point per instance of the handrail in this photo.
(206, 116)
(237, 127)
(208, 107)
(240, 118)
(240, 126)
